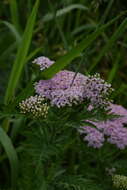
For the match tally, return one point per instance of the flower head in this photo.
(112, 129)
(94, 137)
(67, 88)
(120, 181)
(34, 105)
(61, 90)
(97, 91)
(43, 62)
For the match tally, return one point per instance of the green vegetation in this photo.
(82, 36)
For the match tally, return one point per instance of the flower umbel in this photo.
(43, 62)
(120, 181)
(97, 91)
(65, 90)
(112, 130)
(59, 90)
(34, 105)
(95, 138)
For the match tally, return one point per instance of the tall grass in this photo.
(12, 156)
(21, 55)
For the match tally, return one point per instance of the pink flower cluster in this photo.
(97, 91)
(112, 130)
(67, 88)
(43, 62)
(61, 90)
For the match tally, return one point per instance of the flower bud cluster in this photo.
(97, 91)
(120, 181)
(34, 105)
(110, 171)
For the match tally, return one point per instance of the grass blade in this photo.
(13, 30)
(12, 156)
(14, 14)
(76, 51)
(50, 16)
(33, 53)
(63, 11)
(114, 69)
(66, 46)
(111, 41)
(21, 55)
(106, 13)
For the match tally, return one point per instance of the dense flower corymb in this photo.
(120, 181)
(61, 90)
(94, 137)
(112, 130)
(97, 91)
(34, 105)
(67, 88)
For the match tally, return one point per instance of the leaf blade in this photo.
(114, 37)
(12, 156)
(14, 14)
(76, 51)
(21, 55)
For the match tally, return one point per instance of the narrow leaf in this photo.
(14, 14)
(21, 55)
(50, 16)
(12, 156)
(114, 69)
(63, 11)
(13, 30)
(110, 42)
(76, 51)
